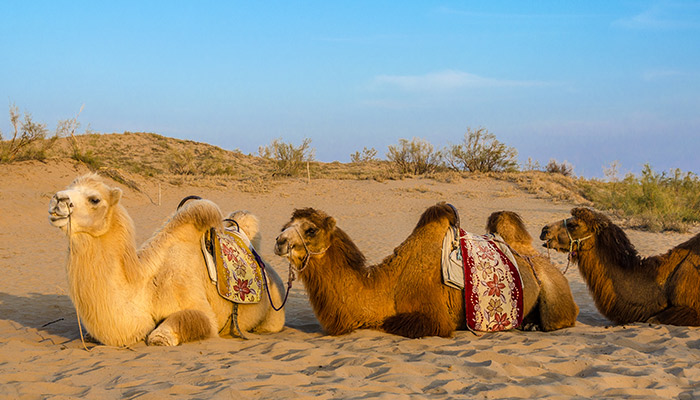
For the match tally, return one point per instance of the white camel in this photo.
(161, 292)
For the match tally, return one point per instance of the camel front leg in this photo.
(180, 327)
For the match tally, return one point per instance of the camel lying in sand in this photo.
(404, 294)
(625, 287)
(160, 292)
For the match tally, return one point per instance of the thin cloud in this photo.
(446, 80)
(663, 17)
(452, 11)
(660, 74)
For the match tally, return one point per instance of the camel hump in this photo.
(438, 212)
(510, 226)
(201, 213)
(249, 224)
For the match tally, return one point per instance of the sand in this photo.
(41, 354)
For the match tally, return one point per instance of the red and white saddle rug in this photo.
(493, 290)
(232, 265)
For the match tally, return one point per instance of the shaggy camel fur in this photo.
(625, 287)
(160, 292)
(403, 295)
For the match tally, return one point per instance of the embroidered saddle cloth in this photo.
(232, 265)
(484, 267)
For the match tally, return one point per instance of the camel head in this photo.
(510, 226)
(86, 204)
(306, 235)
(584, 224)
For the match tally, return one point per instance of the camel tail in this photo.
(438, 212)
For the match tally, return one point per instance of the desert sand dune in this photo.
(41, 354)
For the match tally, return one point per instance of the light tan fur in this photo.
(403, 295)
(160, 292)
(626, 287)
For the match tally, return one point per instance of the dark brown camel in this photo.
(626, 287)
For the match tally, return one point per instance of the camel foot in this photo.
(532, 327)
(180, 327)
(163, 336)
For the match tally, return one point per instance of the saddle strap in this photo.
(235, 329)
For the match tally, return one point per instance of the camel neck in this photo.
(343, 292)
(622, 293)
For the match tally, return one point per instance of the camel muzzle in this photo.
(281, 247)
(549, 242)
(60, 208)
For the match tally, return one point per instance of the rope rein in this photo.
(80, 326)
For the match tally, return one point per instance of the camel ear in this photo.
(329, 222)
(115, 194)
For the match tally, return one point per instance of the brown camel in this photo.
(626, 287)
(403, 295)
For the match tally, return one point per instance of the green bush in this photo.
(289, 160)
(481, 152)
(415, 157)
(657, 201)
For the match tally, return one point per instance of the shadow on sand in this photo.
(52, 314)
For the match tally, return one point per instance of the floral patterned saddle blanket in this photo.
(232, 265)
(484, 267)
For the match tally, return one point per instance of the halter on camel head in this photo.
(573, 242)
(307, 252)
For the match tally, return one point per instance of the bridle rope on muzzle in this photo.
(573, 243)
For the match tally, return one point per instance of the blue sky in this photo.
(585, 82)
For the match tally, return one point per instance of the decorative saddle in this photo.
(232, 265)
(484, 267)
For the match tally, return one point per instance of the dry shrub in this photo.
(28, 140)
(289, 160)
(367, 155)
(555, 167)
(481, 152)
(415, 157)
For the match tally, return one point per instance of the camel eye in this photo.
(94, 200)
(311, 232)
